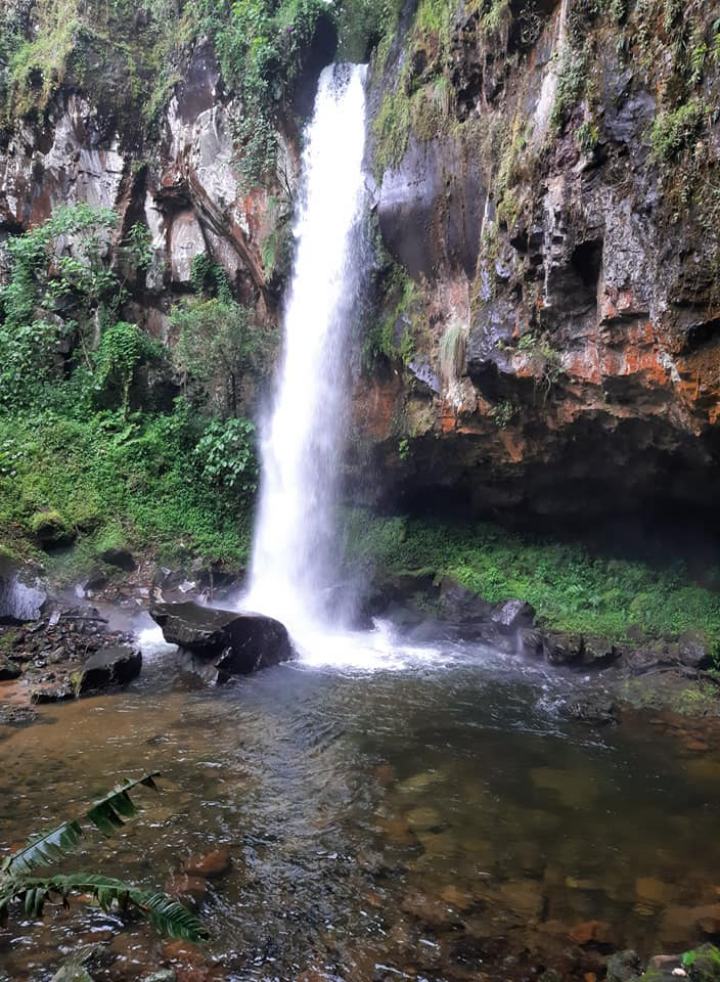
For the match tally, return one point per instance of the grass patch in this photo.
(570, 588)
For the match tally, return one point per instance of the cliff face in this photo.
(545, 338)
(549, 180)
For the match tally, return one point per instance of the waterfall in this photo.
(295, 551)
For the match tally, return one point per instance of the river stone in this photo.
(115, 665)
(236, 643)
(8, 669)
(623, 966)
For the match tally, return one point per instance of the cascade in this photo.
(295, 551)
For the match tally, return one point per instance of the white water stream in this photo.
(295, 564)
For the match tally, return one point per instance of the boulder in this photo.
(235, 643)
(115, 665)
(513, 615)
(461, 605)
(623, 966)
(8, 669)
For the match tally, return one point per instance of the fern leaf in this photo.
(44, 849)
(107, 814)
(167, 915)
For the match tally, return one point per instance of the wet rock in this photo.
(120, 558)
(623, 966)
(461, 605)
(210, 864)
(22, 594)
(162, 975)
(116, 665)
(237, 643)
(692, 651)
(52, 690)
(423, 818)
(562, 649)
(591, 932)
(653, 891)
(664, 968)
(9, 669)
(185, 885)
(72, 973)
(514, 615)
(17, 715)
(597, 709)
(530, 641)
(522, 896)
(430, 911)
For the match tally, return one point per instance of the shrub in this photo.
(226, 455)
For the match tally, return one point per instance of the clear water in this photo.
(294, 559)
(440, 819)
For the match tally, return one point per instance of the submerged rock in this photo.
(229, 642)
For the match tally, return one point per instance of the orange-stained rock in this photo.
(209, 864)
(589, 931)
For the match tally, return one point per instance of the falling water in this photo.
(294, 564)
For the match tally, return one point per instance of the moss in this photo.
(571, 588)
(392, 129)
(392, 335)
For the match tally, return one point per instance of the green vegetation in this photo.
(18, 885)
(673, 130)
(94, 446)
(571, 589)
(393, 337)
(121, 51)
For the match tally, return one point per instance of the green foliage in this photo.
(392, 337)
(58, 280)
(503, 413)
(117, 480)
(218, 347)
(138, 246)
(545, 359)
(209, 278)
(587, 136)
(107, 815)
(392, 129)
(570, 588)
(362, 24)
(571, 84)
(97, 45)
(261, 44)
(123, 349)
(226, 456)
(673, 130)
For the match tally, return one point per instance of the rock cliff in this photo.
(544, 337)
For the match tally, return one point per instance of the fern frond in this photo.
(42, 850)
(107, 814)
(167, 915)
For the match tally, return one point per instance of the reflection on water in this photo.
(439, 822)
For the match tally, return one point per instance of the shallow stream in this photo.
(440, 820)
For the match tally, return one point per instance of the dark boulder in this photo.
(461, 605)
(235, 643)
(8, 669)
(115, 665)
